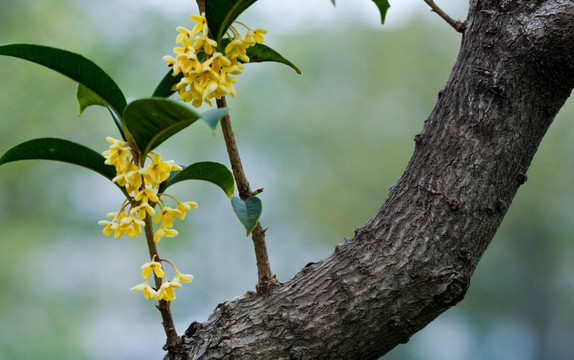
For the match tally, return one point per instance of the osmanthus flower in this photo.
(166, 288)
(179, 277)
(164, 232)
(142, 183)
(166, 216)
(148, 291)
(166, 291)
(118, 154)
(152, 266)
(183, 207)
(206, 70)
(158, 171)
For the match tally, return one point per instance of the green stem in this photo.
(266, 279)
(173, 340)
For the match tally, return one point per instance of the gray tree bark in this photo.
(414, 258)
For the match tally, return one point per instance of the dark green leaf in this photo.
(152, 121)
(74, 66)
(213, 172)
(87, 97)
(59, 150)
(383, 6)
(163, 89)
(247, 211)
(262, 53)
(212, 117)
(220, 14)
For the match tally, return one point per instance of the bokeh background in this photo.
(325, 145)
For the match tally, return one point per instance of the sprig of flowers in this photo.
(208, 72)
(142, 183)
(166, 290)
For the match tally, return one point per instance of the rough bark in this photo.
(414, 258)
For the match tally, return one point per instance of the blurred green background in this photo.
(325, 145)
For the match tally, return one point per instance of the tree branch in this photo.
(415, 256)
(457, 25)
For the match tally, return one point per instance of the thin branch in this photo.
(173, 340)
(266, 279)
(457, 25)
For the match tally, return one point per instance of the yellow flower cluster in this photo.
(166, 290)
(142, 183)
(135, 179)
(207, 72)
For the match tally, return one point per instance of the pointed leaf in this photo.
(262, 53)
(59, 150)
(247, 211)
(220, 14)
(383, 6)
(152, 121)
(87, 97)
(74, 66)
(212, 117)
(213, 172)
(163, 89)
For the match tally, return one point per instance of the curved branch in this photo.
(415, 256)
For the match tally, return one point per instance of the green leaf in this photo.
(262, 53)
(220, 14)
(212, 172)
(74, 66)
(212, 117)
(59, 150)
(87, 97)
(383, 6)
(152, 121)
(163, 89)
(247, 211)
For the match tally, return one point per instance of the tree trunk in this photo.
(414, 258)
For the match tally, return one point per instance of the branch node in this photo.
(457, 25)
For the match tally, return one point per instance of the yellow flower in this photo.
(257, 35)
(118, 155)
(164, 232)
(146, 196)
(141, 210)
(152, 266)
(185, 206)
(179, 277)
(157, 172)
(209, 78)
(129, 225)
(109, 225)
(166, 292)
(167, 215)
(237, 49)
(148, 291)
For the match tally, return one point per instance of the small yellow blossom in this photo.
(164, 232)
(118, 154)
(152, 266)
(185, 206)
(157, 172)
(129, 225)
(179, 277)
(166, 292)
(146, 196)
(166, 216)
(208, 77)
(148, 291)
(141, 210)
